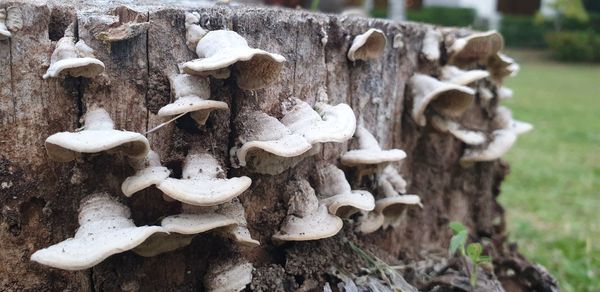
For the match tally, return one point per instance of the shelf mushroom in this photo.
(203, 182)
(239, 233)
(307, 218)
(445, 98)
(367, 46)
(475, 47)
(228, 275)
(325, 123)
(222, 53)
(504, 120)
(431, 45)
(105, 228)
(149, 172)
(501, 66)
(335, 192)
(455, 75)
(4, 32)
(75, 59)
(467, 136)
(98, 135)
(504, 93)
(268, 146)
(190, 92)
(11, 19)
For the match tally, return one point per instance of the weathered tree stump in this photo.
(40, 197)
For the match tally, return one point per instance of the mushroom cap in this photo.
(504, 120)
(241, 235)
(229, 276)
(65, 146)
(188, 104)
(85, 67)
(144, 178)
(457, 76)
(505, 93)
(219, 49)
(501, 142)
(204, 192)
(370, 222)
(4, 32)
(105, 229)
(469, 137)
(344, 205)
(325, 124)
(445, 98)
(475, 47)
(368, 45)
(160, 243)
(393, 207)
(369, 156)
(290, 145)
(316, 225)
(431, 44)
(502, 66)
(196, 223)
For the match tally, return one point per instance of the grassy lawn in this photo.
(552, 194)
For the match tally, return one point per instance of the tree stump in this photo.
(40, 198)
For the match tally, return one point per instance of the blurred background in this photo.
(552, 195)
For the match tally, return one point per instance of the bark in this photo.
(40, 197)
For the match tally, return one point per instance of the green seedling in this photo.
(468, 252)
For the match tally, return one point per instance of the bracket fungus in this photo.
(325, 123)
(502, 66)
(203, 182)
(228, 275)
(453, 74)
(4, 32)
(504, 120)
(193, 31)
(75, 59)
(307, 218)
(127, 27)
(367, 46)
(369, 152)
(11, 19)
(148, 172)
(268, 146)
(391, 206)
(188, 91)
(505, 93)
(475, 47)
(240, 232)
(335, 192)
(431, 45)
(105, 228)
(98, 135)
(445, 98)
(467, 136)
(223, 52)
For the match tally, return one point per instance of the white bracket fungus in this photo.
(504, 120)
(268, 146)
(203, 182)
(475, 47)
(367, 46)
(306, 219)
(75, 59)
(467, 136)
(148, 172)
(189, 91)
(222, 52)
(228, 275)
(193, 31)
(502, 66)
(105, 228)
(335, 192)
(504, 93)
(4, 32)
(445, 98)
(389, 209)
(431, 45)
(11, 19)
(369, 152)
(240, 232)
(325, 123)
(453, 74)
(97, 136)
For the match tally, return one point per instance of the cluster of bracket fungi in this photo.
(267, 145)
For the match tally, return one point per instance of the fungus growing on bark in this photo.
(75, 59)
(390, 207)
(504, 120)
(268, 146)
(431, 45)
(445, 98)
(11, 19)
(502, 66)
(203, 182)
(475, 47)
(306, 219)
(467, 136)
(505, 93)
(223, 52)
(325, 123)
(229, 275)
(4, 32)
(105, 228)
(97, 136)
(188, 92)
(239, 233)
(148, 172)
(367, 46)
(500, 142)
(193, 31)
(453, 74)
(335, 192)
(125, 28)
(369, 152)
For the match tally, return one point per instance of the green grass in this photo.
(552, 194)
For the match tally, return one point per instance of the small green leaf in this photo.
(474, 251)
(457, 227)
(458, 241)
